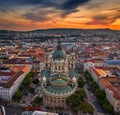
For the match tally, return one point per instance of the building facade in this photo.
(59, 79)
(10, 81)
(109, 83)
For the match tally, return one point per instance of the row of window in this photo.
(4, 96)
(4, 93)
(58, 101)
(59, 68)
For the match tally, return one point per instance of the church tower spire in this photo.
(47, 59)
(72, 60)
(59, 46)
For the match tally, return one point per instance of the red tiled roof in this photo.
(97, 74)
(11, 73)
(111, 78)
(21, 68)
(104, 82)
(115, 92)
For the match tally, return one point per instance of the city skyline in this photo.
(39, 14)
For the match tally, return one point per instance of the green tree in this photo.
(25, 82)
(86, 108)
(100, 94)
(37, 101)
(73, 100)
(21, 88)
(94, 85)
(107, 106)
(88, 76)
(82, 94)
(18, 95)
(75, 109)
(77, 98)
(81, 82)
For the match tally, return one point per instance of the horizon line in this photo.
(60, 28)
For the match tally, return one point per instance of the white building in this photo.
(88, 64)
(38, 113)
(10, 81)
(43, 113)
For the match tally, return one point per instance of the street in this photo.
(98, 110)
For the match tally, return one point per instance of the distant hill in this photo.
(60, 30)
(89, 34)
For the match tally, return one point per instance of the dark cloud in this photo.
(70, 6)
(104, 19)
(39, 15)
(65, 6)
(108, 18)
(9, 24)
(15, 3)
(4, 10)
(65, 13)
(40, 3)
(73, 4)
(31, 2)
(35, 17)
(9, 3)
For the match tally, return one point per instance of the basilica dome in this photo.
(59, 52)
(59, 78)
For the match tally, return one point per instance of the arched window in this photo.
(55, 67)
(71, 65)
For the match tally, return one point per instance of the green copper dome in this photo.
(59, 52)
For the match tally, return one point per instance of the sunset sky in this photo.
(42, 14)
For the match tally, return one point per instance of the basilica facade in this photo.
(59, 78)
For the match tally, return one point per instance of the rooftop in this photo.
(38, 113)
(60, 90)
(59, 81)
(6, 81)
(22, 68)
(110, 81)
(100, 72)
(59, 52)
(114, 90)
(112, 62)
